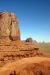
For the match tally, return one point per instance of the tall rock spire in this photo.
(9, 28)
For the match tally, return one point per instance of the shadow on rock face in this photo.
(39, 73)
(14, 73)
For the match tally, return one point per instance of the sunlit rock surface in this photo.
(9, 29)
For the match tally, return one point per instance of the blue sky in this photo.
(33, 16)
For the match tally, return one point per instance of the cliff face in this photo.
(9, 26)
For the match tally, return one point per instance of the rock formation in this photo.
(25, 57)
(29, 40)
(9, 29)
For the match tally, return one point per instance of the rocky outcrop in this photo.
(13, 49)
(29, 40)
(27, 66)
(9, 26)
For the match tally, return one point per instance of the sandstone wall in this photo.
(9, 28)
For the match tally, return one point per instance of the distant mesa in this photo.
(29, 39)
(9, 29)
